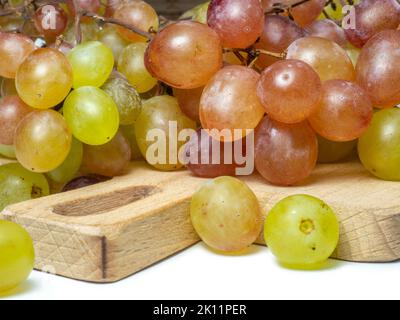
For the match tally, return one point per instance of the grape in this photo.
(372, 17)
(278, 33)
(7, 87)
(328, 29)
(18, 184)
(111, 38)
(189, 102)
(184, 55)
(379, 147)
(302, 231)
(82, 182)
(92, 6)
(42, 141)
(226, 214)
(7, 151)
(345, 111)
(157, 116)
(201, 12)
(110, 159)
(10, 23)
(331, 151)
(138, 14)
(201, 158)
(327, 58)
(353, 53)
(92, 115)
(285, 154)
(238, 23)
(17, 255)
(303, 14)
(290, 91)
(44, 79)
(12, 111)
(92, 63)
(111, 6)
(89, 29)
(14, 48)
(130, 135)
(50, 21)
(71, 165)
(230, 101)
(126, 98)
(131, 65)
(377, 69)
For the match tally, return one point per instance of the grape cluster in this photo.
(86, 85)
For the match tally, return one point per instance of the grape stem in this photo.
(272, 54)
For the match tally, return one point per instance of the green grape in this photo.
(131, 65)
(126, 98)
(92, 63)
(157, 116)
(331, 151)
(353, 53)
(198, 13)
(302, 231)
(89, 29)
(226, 214)
(92, 115)
(71, 165)
(17, 255)
(42, 141)
(111, 38)
(379, 147)
(7, 151)
(130, 135)
(19, 184)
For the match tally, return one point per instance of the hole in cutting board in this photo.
(104, 202)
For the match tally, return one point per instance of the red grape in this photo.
(285, 154)
(238, 23)
(50, 20)
(328, 29)
(189, 102)
(92, 6)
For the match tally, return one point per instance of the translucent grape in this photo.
(238, 23)
(332, 151)
(17, 255)
(10, 23)
(18, 184)
(7, 87)
(71, 165)
(89, 29)
(131, 65)
(130, 135)
(278, 33)
(199, 151)
(126, 98)
(377, 69)
(44, 78)
(156, 118)
(327, 58)
(12, 111)
(92, 115)
(328, 29)
(111, 38)
(345, 111)
(285, 154)
(372, 17)
(14, 48)
(92, 63)
(189, 102)
(230, 101)
(379, 147)
(85, 5)
(303, 14)
(7, 151)
(290, 91)
(184, 55)
(198, 13)
(138, 14)
(50, 20)
(302, 231)
(110, 159)
(226, 214)
(42, 141)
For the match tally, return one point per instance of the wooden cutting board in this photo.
(109, 231)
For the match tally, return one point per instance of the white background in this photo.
(199, 273)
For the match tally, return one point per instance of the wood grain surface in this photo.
(109, 231)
